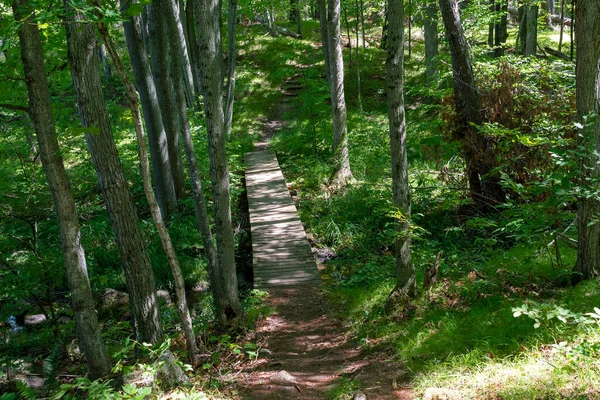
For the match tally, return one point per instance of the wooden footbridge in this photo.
(281, 253)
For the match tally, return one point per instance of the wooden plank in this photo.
(281, 253)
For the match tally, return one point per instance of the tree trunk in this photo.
(572, 48)
(531, 35)
(224, 279)
(157, 138)
(430, 23)
(409, 28)
(479, 157)
(342, 173)
(362, 23)
(163, 233)
(231, 56)
(588, 107)
(562, 24)
(405, 272)
(193, 43)
(104, 61)
(384, 30)
(81, 43)
(492, 25)
(349, 36)
(501, 27)
(159, 56)
(193, 168)
(358, 90)
(299, 18)
(324, 36)
(549, 11)
(92, 344)
(181, 46)
(522, 33)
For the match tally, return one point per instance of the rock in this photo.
(359, 396)
(165, 296)
(113, 303)
(442, 394)
(170, 374)
(35, 319)
(263, 352)
(283, 377)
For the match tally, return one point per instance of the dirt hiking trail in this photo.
(305, 351)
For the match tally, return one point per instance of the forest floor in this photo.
(305, 350)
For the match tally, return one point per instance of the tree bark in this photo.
(104, 61)
(430, 22)
(479, 157)
(231, 56)
(159, 57)
(81, 44)
(163, 233)
(562, 24)
(223, 279)
(531, 35)
(157, 138)
(587, 31)
(92, 344)
(193, 43)
(181, 46)
(405, 272)
(358, 89)
(193, 168)
(501, 27)
(342, 173)
(324, 36)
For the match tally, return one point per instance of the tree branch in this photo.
(14, 107)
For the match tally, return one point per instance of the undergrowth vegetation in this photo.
(503, 321)
(466, 336)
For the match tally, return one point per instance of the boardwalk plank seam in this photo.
(281, 252)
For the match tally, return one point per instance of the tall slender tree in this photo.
(163, 232)
(406, 287)
(231, 57)
(159, 56)
(430, 31)
(587, 31)
(92, 344)
(322, 5)
(223, 278)
(477, 150)
(342, 172)
(81, 46)
(157, 137)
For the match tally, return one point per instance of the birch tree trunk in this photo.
(587, 31)
(406, 283)
(223, 279)
(157, 137)
(92, 344)
(342, 173)
(81, 44)
(159, 57)
(231, 56)
(165, 238)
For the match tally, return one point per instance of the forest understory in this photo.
(499, 312)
